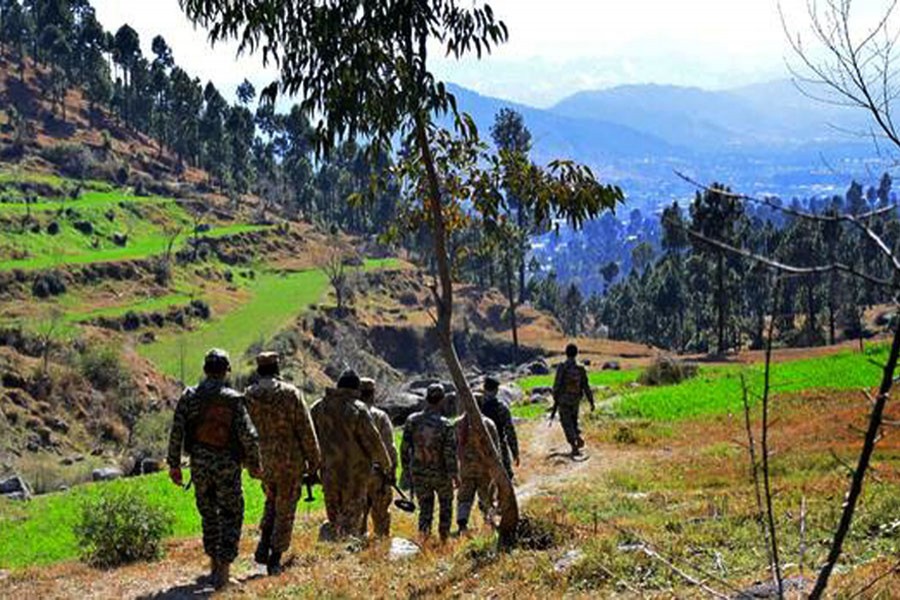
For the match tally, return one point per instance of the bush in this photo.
(103, 367)
(121, 526)
(151, 434)
(48, 284)
(666, 370)
(73, 160)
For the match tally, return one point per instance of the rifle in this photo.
(553, 410)
(308, 481)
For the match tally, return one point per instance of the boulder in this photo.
(13, 380)
(106, 474)
(85, 227)
(542, 391)
(612, 366)
(539, 367)
(151, 465)
(400, 405)
(402, 549)
(14, 488)
(510, 394)
(120, 239)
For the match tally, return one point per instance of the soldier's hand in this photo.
(517, 462)
(455, 482)
(593, 407)
(176, 477)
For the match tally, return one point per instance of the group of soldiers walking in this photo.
(342, 440)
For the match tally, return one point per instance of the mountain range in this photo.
(763, 138)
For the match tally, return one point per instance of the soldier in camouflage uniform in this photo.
(212, 426)
(428, 452)
(474, 474)
(351, 451)
(569, 387)
(497, 411)
(289, 449)
(379, 493)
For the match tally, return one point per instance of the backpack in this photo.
(428, 441)
(214, 426)
(571, 380)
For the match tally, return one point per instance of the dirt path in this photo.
(545, 465)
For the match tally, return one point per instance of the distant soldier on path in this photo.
(570, 386)
(211, 425)
(379, 493)
(497, 411)
(474, 473)
(289, 450)
(428, 453)
(351, 450)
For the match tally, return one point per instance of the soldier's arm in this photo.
(586, 387)
(371, 442)
(557, 382)
(387, 436)
(511, 438)
(451, 461)
(248, 439)
(406, 447)
(176, 433)
(306, 433)
(492, 432)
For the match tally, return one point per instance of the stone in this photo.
(400, 405)
(327, 533)
(612, 365)
(403, 549)
(120, 239)
(542, 391)
(13, 380)
(106, 474)
(14, 485)
(151, 465)
(510, 394)
(568, 560)
(85, 227)
(539, 367)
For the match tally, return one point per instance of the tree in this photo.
(16, 30)
(363, 66)
(246, 92)
(573, 311)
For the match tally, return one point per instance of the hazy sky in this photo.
(556, 47)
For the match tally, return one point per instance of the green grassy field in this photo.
(160, 303)
(717, 390)
(40, 532)
(277, 299)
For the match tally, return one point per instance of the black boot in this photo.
(261, 556)
(273, 566)
(463, 527)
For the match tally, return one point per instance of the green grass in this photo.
(717, 390)
(596, 378)
(160, 303)
(40, 532)
(277, 299)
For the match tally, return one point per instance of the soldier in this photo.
(379, 491)
(211, 425)
(289, 449)
(351, 450)
(474, 475)
(570, 386)
(495, 410)
(428, 452)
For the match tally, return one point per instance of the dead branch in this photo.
(692, 580)
(754, 469)
(894, 569)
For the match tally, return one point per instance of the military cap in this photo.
(435, 393)
(491, 383)
(366, 384)
(348, 380)
(217, 359)
(267, 359)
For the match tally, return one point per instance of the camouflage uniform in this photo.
(474, 474)
(212, 426)
(351, 447)
(379, 491)
(428, 452)
(570, 386)
(495, 410)
(289, 449)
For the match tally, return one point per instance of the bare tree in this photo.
(48, 330)
(335, 269)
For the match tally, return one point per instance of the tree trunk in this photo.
(509, 508)
(522, 256)
(511, 296)
(720, 303)
(859, 475)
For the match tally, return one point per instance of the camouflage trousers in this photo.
(378, 498)
(568, 417)
(220, 502)
(483, 484)
(426, 488)
(277, 526)
(345, 501)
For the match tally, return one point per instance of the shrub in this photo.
(151, 433)
(73, 160)
(103, 367)
(121, 526)
(48, 284)
(666, 370)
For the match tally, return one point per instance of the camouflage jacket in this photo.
(287, 438)
(386, 430)
(498, 412)
(348, 439)
(571, 383)
(470, 461)
(197, 407)
(428, 448)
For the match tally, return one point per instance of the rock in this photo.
(57, 424)
(16, 496)
(14, 485)
(327, 533)
(106, 474)
(67, 461)
(542, 391)
(203, 228)
(151, 465)
(539, 367)
(586, 362)
(402, 549)
(421, 385)
(53, 228)
(400, 405)
(612, 365)
(13, 380)
(510, 394)
(120, 239)
(85, 227)
(568, 560)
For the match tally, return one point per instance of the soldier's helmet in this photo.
(367, 385)
(267, 359)
(571, 350)
(435, 393)
(217, 361)
(491, 384)
(348, 380)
